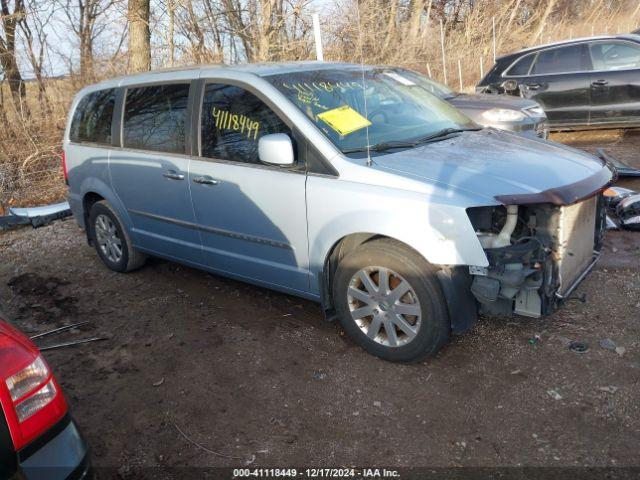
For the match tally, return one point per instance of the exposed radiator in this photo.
(576, 237)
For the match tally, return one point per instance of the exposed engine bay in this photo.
(537, 254)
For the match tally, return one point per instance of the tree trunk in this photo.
(8, 59)
(139, 36)
(86, 55)
(172, 20)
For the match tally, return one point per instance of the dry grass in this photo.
(390, 32)
(31, 147)
(397, 35)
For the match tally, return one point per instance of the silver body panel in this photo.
(276, 227)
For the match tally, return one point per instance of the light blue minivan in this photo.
(352, 186)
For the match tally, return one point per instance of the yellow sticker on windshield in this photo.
(344, 120)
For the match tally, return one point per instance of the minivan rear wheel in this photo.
(390, 302)
(111, 240)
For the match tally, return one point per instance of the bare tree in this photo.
(139, 36)
(34, 29)
(84, 19)
(8, 59)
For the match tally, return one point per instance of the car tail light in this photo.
(29, 394)
(27, 379)
(36, 402)
(64, 167)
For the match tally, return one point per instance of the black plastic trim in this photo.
(462, 305)
(218, 231)
(565, 195)
(45, 438)
(116, 122)
(8, 457)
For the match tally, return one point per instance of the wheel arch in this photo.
(337, 252)
(94, 190)
(455, 281)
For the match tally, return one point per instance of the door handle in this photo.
(206, 181)
(599, 83)
(173, 175)
(533, 86)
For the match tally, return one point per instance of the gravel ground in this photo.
(258, 378)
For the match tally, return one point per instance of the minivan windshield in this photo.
(398, 113)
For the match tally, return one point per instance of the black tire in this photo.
(130, 259)
(435, 325)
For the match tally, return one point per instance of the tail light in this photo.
(29, 394)
(64, 167)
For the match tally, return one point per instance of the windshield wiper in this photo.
(441, 134)
(384, 146)
(381, 147)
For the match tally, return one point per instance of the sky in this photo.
(62, 53)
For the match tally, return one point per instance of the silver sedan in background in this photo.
(518, 115)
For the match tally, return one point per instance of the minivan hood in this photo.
(503, 167)
(487, 102)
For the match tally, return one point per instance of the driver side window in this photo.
(609, 56)
(233, 120)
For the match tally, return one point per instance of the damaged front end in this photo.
(537, 254)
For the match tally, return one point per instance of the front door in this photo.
(251, 216)
(615, 83)
(560, 81)
(150, 172)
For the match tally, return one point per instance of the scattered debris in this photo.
(535, 340)
(608, 344)
(71, 344)
(36, 216)
(614, 195)
(609, 389)
(563, 340)
(193, 442)
(622, 169)
(628, 211)
(579, 347)
(320, 376)
(555, 395)
(159, 382)
(376, 403)
(55, 331)
(621, 350)
(611, 225)
(515, 372)
(65, 328)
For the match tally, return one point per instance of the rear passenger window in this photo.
(155, 118)
(233, 120)
(92, 118)
(521, 67)
(574, 58)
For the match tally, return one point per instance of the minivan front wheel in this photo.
(390, 302)
(111, 240)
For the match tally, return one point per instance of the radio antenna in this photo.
(364, 85)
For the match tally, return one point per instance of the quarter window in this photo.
(233, 120)
(155, 118)
(574, 58)
(521, 67)
(615, 56)
(92, 118)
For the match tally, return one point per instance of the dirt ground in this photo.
(259, 378)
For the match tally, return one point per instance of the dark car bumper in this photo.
(61, 454)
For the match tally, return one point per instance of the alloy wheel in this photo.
(108, 239)
(385, 306)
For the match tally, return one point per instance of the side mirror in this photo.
(276, 149)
